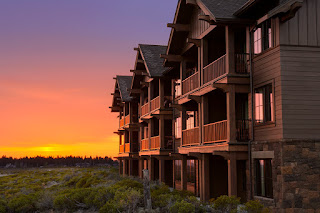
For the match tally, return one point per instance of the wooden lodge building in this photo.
(231, 106)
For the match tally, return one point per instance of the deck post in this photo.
(162, 132)
(120, 167)
(231, 114)
(230, 65)
(162, 171)
(203, 58)
(141, 167)
(183, 122)
(151, 168)
(184, 172)
(182, 73)
(232, 176)
(130, 165)
(124, 166)
(205, 177)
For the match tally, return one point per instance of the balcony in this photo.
(155, 103)
(243, 133)
(190, 83)
(215, 69)
(155, 142)
(144, 144)
(121, 124)
(241, 63)
(215, 132)
(121, 149)
(190, 136)
(127, 120)
(145, 109)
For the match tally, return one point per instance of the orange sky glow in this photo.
(57, 63)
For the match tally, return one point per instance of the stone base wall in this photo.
(296, 175)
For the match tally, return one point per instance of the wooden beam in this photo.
(135, 91)
(114, 78)
(139, 72)
(177, 106)
(196, 42)
(179, 27)
(292, 12)
(144, 83)
(140, 61)
(195, 98)
(136, 49)
(192, 2)
(171, 58)
(206, 18)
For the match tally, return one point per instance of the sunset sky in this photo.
(57, 63)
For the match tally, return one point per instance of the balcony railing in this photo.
(190, 83)
(243, 134)
(127, 147)
(121, 149)
(144, 144)
(241, 63)
(121, 124)
(215, 69)
(127, 120)
(145, 109)
(155, 142)
(190, 136)
(215, 132)
(155, 103)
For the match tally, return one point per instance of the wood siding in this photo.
(300, 79)
(266, 69)
(197, 27)
(304, 28)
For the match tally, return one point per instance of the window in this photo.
(177, 87)
(262, 37)
(263, 178)
(191, 120)
(264, 111)
(178, 127)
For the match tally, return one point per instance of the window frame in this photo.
(272, 105)
(268, 192)
(265, 36)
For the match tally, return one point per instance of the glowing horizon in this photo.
(57, 63)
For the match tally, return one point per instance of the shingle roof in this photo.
(223, 8)
(124, 83)
(151, 56)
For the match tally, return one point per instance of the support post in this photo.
(130, 165)
(151, 168)
(162, 132)
(141, 167)
(231, 115)
(230, 65)
(124, 166)
(184, 172)
(205, 178)
(162, 171)
(232, 176)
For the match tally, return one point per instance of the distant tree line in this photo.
(39, 161)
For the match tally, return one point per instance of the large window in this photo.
(263, 178)
(262, 37)
(178, 126)
(264, 111)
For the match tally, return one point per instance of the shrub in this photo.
(254, 206)
(45, 201)
(226, 204)
(182, 207)
(109, 207)
(3, 206)
(22, 203)
(72, 200)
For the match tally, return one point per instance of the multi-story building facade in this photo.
(239, 102)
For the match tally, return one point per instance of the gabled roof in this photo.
(223, 9)
(124, 84)
(151, 57)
